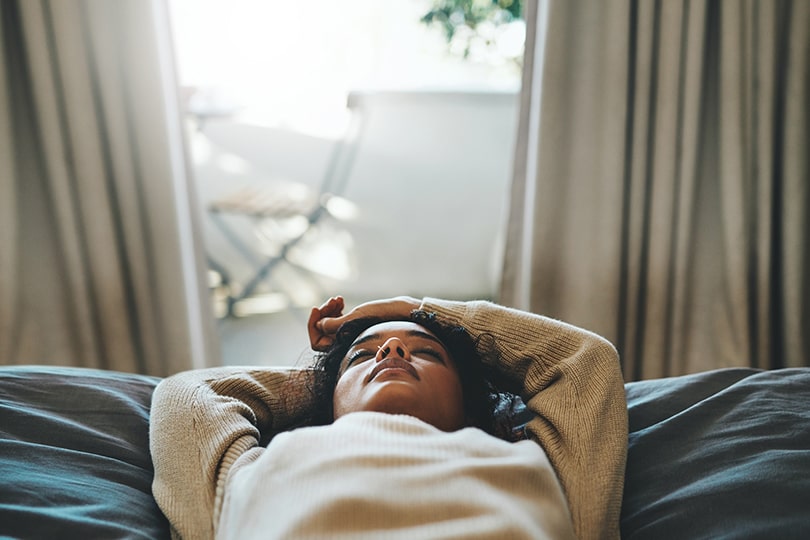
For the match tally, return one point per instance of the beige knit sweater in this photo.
(207, 424)
(378, 476)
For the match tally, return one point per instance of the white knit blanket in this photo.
(379, 476)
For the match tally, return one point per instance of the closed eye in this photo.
(431, 352)
(357, 355)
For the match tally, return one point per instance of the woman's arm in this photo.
(571, 379)
(207, 423)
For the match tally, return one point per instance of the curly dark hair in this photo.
(486, 405)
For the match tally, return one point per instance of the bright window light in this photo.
(291, 64)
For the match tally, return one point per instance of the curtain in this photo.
(660, 193)
(100, 258)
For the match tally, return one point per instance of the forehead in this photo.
(400, 329)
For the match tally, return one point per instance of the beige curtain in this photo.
(661, 190)
(100, 260)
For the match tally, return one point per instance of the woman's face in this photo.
(400, 367)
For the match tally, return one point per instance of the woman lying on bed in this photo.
(403, 437)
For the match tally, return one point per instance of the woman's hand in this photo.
(324, 321)
(320, 340)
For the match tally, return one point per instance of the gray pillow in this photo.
(721, 454)
(74, 455)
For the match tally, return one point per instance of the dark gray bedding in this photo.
(722, 454)
(74, 455)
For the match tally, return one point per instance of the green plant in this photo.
(481, 25)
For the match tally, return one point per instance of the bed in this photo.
(720, 454)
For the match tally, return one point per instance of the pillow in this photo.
(712, 455)
(720, 454)
(74, 455)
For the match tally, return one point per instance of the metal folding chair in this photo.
(280, 201)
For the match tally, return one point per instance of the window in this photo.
(291, 64)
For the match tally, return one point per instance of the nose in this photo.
(393, 347)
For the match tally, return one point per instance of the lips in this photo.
(393, 363)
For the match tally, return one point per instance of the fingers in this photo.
(324, 321)
(312, 329)
(330, 325)
(389, 309)
(332, 307)
(321, 338)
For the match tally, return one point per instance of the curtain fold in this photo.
(667, 180)
(100, 262)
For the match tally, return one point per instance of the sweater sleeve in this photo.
(571, 380)
(205, 424)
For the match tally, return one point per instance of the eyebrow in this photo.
(412, 333)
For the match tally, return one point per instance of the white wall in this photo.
(430, 181)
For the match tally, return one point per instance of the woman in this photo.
(404, 456)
